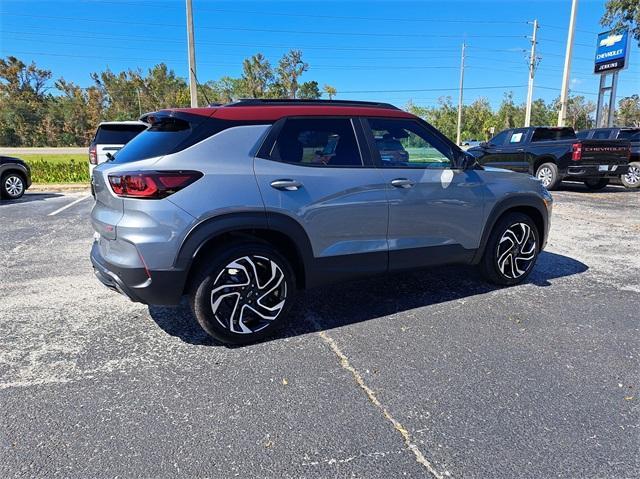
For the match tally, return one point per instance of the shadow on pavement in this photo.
(358, 301)
(30, 197)
(579, 187)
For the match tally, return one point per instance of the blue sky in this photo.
(374, 50)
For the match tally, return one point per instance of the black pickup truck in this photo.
(555, 154)
(632, 178)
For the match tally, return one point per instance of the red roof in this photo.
(275, 112)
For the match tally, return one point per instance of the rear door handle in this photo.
(402, 183)
(286, 185)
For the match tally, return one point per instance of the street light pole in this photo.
(460, 95)
(564, 93)
(532, 68)
(193, 86)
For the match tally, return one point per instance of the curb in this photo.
(58, 187)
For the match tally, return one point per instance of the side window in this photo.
(317, 142)
(516, 136)
(407, 144)
(500, 138)
(582, 135)
(601, 134)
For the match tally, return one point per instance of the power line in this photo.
(263, 30)
(433, 89)
(332, 17)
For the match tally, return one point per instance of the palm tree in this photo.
(329, 90)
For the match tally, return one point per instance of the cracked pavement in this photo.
(425, 374)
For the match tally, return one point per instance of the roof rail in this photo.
(291, 102)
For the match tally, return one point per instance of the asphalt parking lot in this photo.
(428, 374)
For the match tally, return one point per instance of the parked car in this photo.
(230, 206)
(110, 137)
(556, 154)
(15, 177)
(632, 178)
(471, 143)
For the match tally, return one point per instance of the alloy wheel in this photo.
(13, 185)
(545, 175)
(248, 294)
(633, 176)
(516, 250)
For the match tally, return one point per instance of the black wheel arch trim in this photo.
(216, 226)
(512, 203)
(18, 168)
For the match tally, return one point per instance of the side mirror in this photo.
(484, 144)
(467, 162)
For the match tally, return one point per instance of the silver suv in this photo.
(238, 206)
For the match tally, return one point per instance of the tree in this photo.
(477, 118)
(629, 111)
(330, 91)
(290, 68)
(309, 91)
(621, 14)
(509, 115)
(23, 103)
(257, 75)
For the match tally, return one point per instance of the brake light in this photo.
(93, 155)
(151, 184)
(576, 154)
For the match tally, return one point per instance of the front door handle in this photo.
(286, 185)
(402, 183)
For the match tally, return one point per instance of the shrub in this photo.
(59, 172)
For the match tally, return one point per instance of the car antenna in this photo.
(204, 94)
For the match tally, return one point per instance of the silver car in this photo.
(239, 206)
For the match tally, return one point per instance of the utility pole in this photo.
(193, 86)
(564, 93)
(532, 69)
(460, 96)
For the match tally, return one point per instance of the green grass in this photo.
(58, 168)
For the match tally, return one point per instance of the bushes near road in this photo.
(58, 168)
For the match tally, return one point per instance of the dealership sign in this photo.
(612, 51)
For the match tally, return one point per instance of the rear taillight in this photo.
(93, 155)
(576, 154)
(151, 184)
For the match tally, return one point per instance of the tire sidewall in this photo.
(490, 259)
(3, 190)
(201, 291)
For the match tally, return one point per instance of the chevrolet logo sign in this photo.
(610, 40)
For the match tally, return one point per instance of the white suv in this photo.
(110, 137)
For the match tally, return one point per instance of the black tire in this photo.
(596, 184)
(227, 323)
(548, 174)
(12, 185)
(632, 179)
(495, 250)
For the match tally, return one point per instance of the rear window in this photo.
(549, 134)
(633, 135)
(117, 134)
(582, 135)
(170, 133)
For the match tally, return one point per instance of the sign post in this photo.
(612, 56)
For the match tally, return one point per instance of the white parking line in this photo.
(59, 210)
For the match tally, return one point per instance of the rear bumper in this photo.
(155, 287)
(594, 171)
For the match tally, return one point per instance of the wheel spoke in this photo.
(517, 258)
(260, 290)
